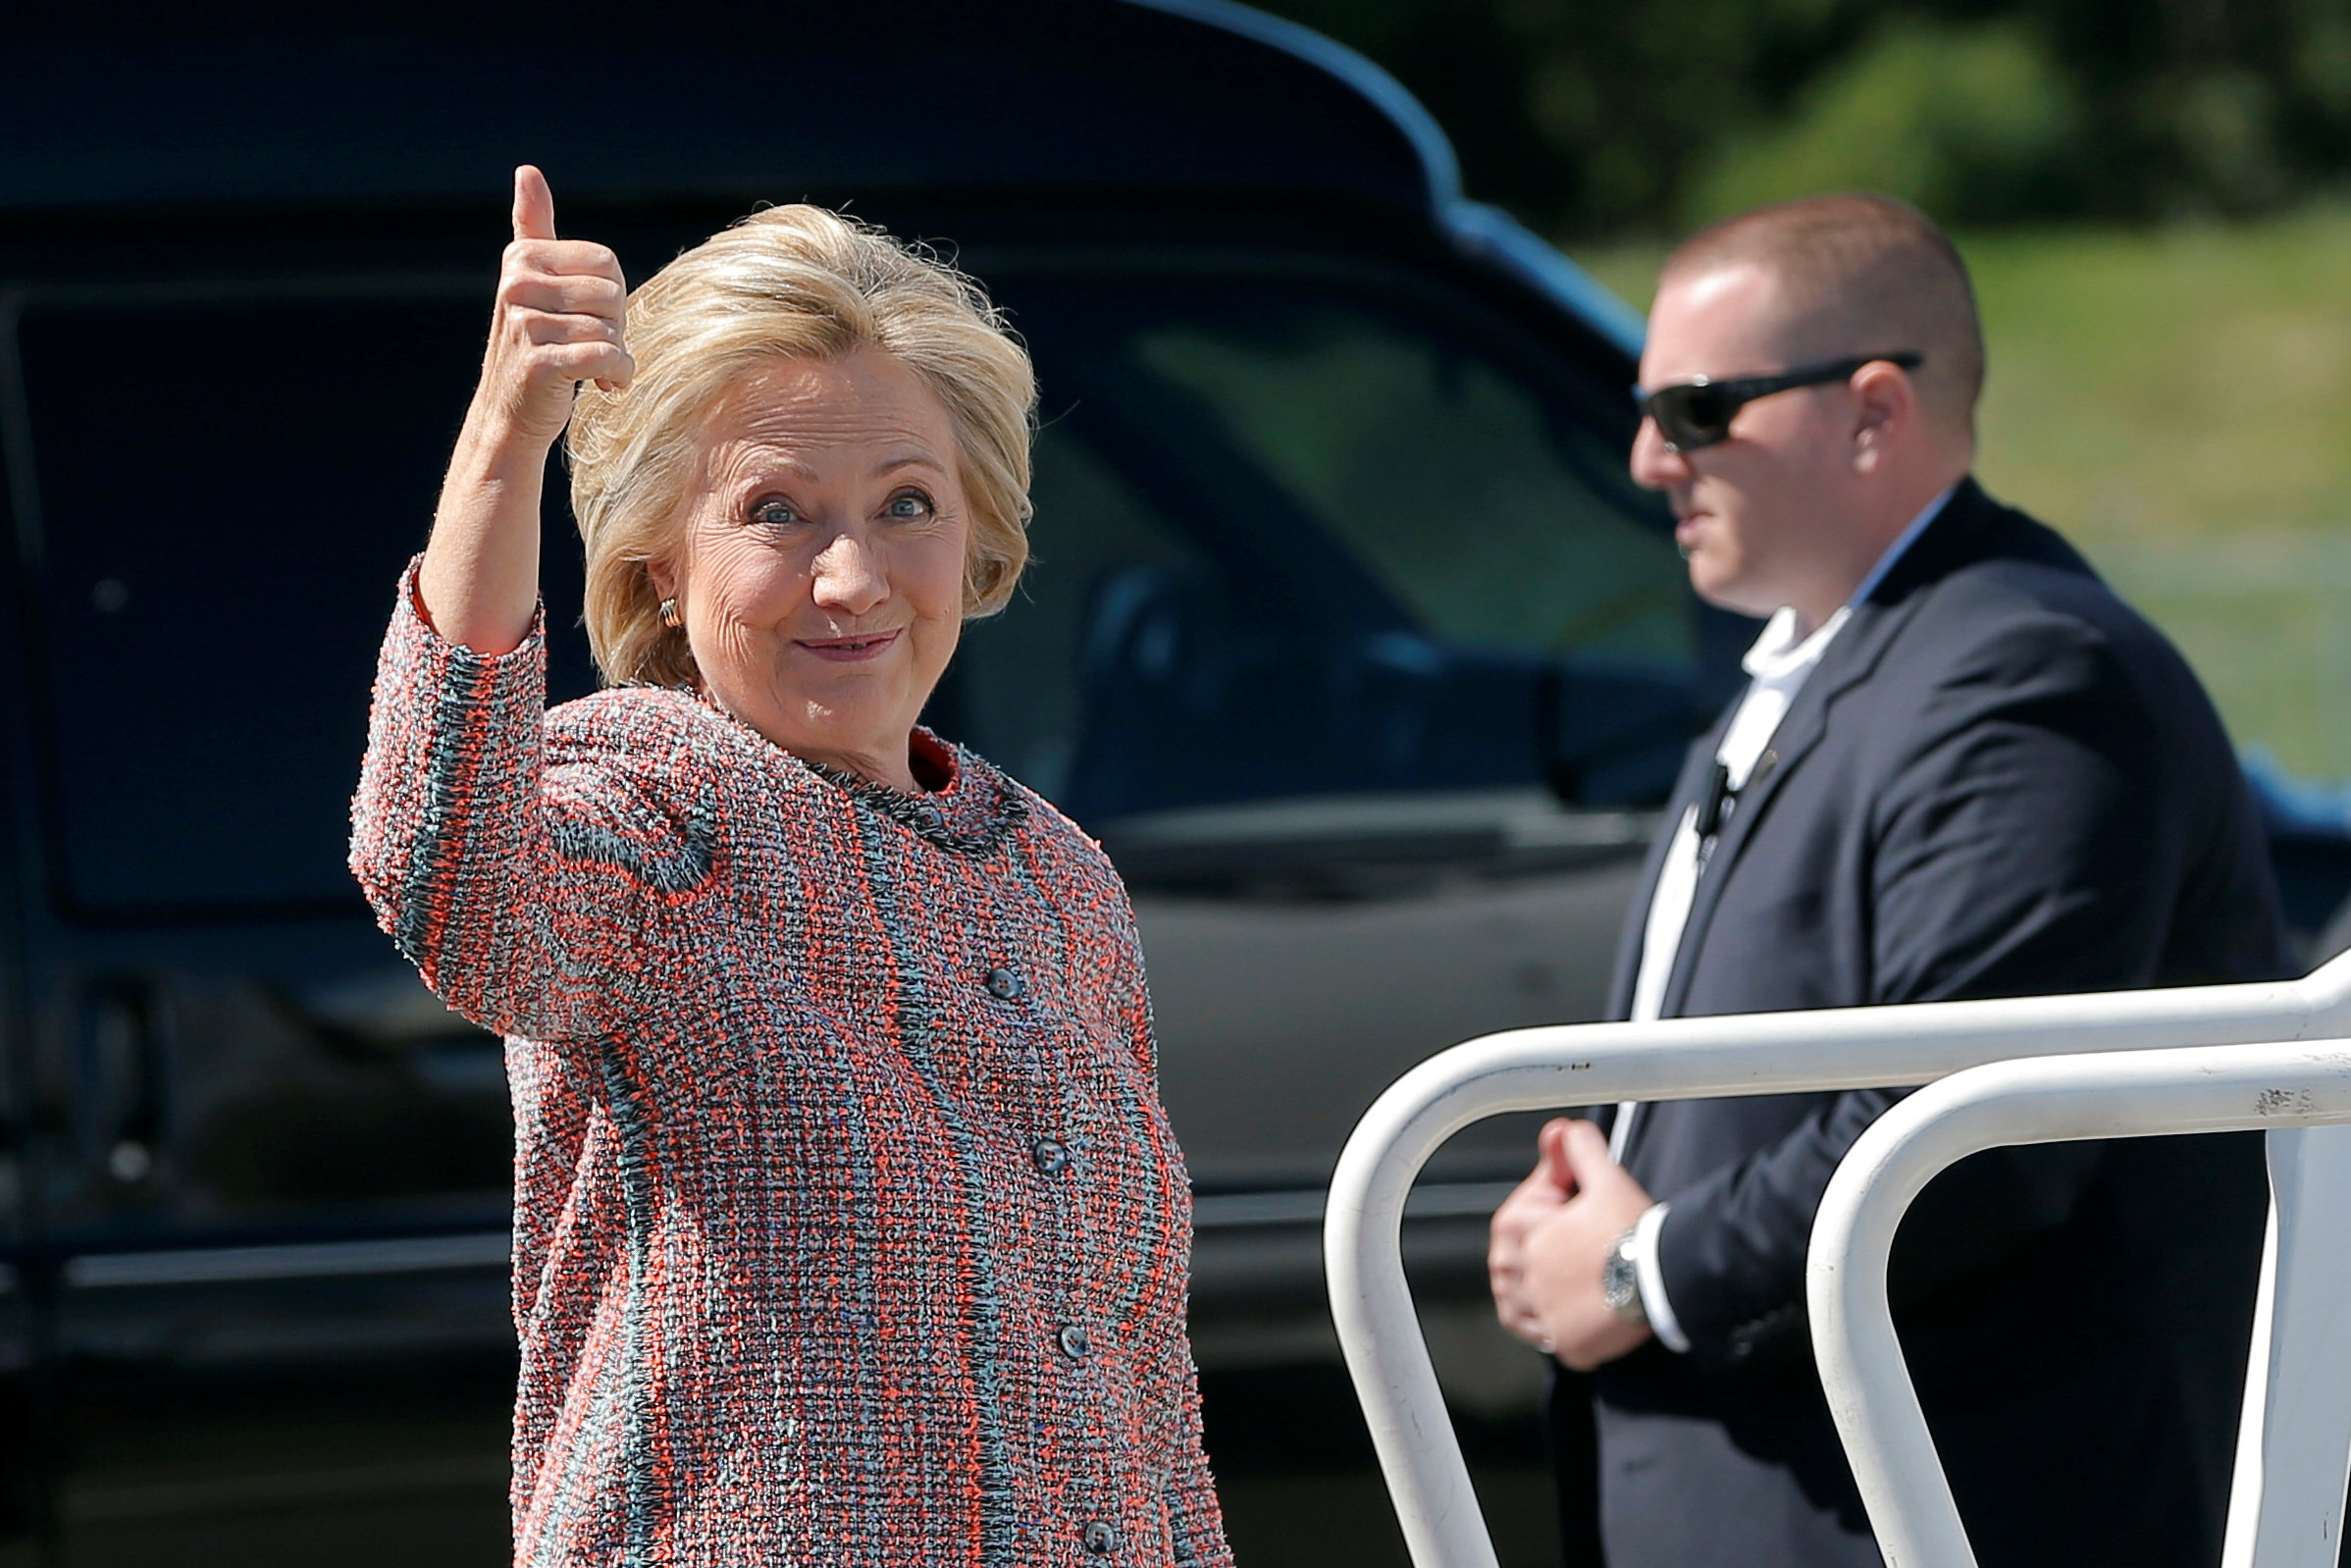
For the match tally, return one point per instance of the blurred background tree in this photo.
(1609, 120)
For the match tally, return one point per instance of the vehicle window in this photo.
(1093, 530)
(1298, 540)
(216, 538)
(1472, 503)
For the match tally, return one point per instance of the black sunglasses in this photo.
(1698, 413)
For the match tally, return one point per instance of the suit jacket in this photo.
(2000, 781)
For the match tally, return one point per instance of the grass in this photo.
(2178, 402)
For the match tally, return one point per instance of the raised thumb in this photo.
(534, 205)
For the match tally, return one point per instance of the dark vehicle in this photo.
(1347, 634)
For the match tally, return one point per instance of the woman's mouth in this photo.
(850, 649)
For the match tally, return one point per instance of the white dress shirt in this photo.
(1777, 667)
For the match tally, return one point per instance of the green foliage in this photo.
(1614, 118)
(1970, 118)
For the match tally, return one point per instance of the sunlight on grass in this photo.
(2179, 403)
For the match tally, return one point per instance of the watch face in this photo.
(1620, 1288)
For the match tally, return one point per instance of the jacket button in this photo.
(1052, 1157)
(1004, 984)
(1074, 1343)
(1100, 1539)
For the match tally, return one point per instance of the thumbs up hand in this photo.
(556, 323)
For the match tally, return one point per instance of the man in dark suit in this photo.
(1962, 768)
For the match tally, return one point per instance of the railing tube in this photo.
(2206, 1089)
(1545, 1068)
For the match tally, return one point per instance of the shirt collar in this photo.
(1908, 538)
(1780, 654)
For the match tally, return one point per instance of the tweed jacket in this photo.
(847, 1224)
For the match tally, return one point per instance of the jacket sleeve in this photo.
(477, 857)
(2026, 843)
(1195, 1519)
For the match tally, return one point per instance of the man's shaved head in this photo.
(1855, 275)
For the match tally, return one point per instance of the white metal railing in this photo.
(2294, 1445)
(1548, 1068)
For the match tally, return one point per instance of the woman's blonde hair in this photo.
(797, 282)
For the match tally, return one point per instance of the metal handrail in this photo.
(1548, 1068)
(2294, 1446)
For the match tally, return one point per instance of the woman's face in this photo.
(819, 561)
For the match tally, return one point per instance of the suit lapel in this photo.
(1956, 534)
(1800, 731)
(1635, 934)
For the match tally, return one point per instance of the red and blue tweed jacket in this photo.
(848, 1226)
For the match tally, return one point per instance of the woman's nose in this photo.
(848, 578)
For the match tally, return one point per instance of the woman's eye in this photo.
(908, 504)
(774, 513)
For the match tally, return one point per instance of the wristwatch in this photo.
(1620, 1285)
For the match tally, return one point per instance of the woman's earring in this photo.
(669, 614)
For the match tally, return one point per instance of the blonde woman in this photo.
(847, 1224)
